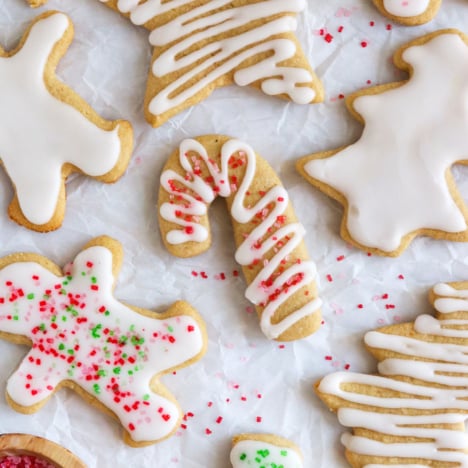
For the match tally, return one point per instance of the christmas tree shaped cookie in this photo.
(47, 131)
(201, 45)
(409, 12)
(81, 337)
(395, 181)
(413, 412)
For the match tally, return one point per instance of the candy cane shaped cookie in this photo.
(409, 12)
(83, 338)
(268, 236)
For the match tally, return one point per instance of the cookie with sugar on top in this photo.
(409, 12)
(48, 131)
(413, 411)
(264, 451)
(200, 46)
(395, 181)
(270, 247)
(83, 338)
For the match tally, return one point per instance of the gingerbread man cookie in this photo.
(413, 412)
(395, 181)
(47, 131)
(270, 244)
(81, 337)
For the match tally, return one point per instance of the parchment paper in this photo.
(245, 383)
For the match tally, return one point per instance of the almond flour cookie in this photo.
(395, 181)
(264, 451)
(268, 236)
(84, 339)
(413, 412)
(48, 131)
(409, 12)
(202, 45)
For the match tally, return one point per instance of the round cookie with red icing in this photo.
(268, 236)
(409, 12)
(264, 451)
(83, 338)
(48, 131)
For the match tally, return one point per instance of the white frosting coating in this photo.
(406, 8)
(255, 453)
(81, 333)
(393, 177)
(214, 59)
(441, 405)
(259, 291)
(39, 133)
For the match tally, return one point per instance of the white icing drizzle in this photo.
(259, 291)
(256, 453)
(214, 59)
(409, 140)
(433, 405)
(39, 133)
(406, 8)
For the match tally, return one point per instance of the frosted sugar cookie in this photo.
(48, 131)
(409, 12)
(269, 238)
(413, 412)
(264, 451)
(395, 181)
(81, 337)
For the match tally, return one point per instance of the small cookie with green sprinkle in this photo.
(264, 451)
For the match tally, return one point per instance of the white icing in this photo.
(255, 453)
(258, 292)
(393, 177)
(33, 301)
(39, 133)
(204, 63)
(406, 8)
(446, 403)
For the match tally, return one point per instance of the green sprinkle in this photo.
(146, 397)
(15, 317)
(69, 277)
(42, 327)
(243, 456)
(93, 279)
(263, 453)
(170, 329)
(61, 347)
(95, 331)
(97, 388)
(116, 370)
(130, 372)
(64, 318)
(102, 372)
(65, 283)
(30, 296)
(71, 352)
(106, 313)
(83, 273)
(284, 453)
(123, 339)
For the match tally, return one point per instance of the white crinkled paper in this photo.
(244, 383)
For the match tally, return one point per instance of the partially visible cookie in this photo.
(47, 131)
(264, 451)
(409, 12)
(82, 338)
(268, 236)
(201, 45)
(395, 181)
(413, 412)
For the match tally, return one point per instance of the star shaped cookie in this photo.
(83, 338)
(395, 181)
(47, 131)
(200, 46)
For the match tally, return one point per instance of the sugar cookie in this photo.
(409, 12)
(395, 181)
(201, 45)
(264, 451)
(48, 131)
(269, 238)
(84, 339)
(413, 413)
